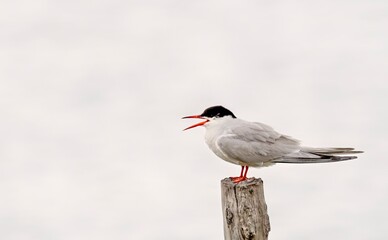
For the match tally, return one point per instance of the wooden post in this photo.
(244, 210)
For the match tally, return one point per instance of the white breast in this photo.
(215, 131)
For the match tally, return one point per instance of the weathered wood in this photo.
(244, 210)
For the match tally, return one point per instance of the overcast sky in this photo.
(92, 92)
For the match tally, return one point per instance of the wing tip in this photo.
(324, 159)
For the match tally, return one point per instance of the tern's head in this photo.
(211, 114)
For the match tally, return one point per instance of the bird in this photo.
(254, 144)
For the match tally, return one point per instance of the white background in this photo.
(92, 93)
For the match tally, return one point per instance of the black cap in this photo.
(217, 111)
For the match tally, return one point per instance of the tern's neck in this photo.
(220, 122)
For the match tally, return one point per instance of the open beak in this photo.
(198, 124)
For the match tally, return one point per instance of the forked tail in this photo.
(318, 155)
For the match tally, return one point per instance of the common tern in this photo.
(253, 144)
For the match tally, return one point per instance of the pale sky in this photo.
(92, 92)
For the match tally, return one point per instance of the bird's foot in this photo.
(238, 179)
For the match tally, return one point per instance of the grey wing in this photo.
(255, 144)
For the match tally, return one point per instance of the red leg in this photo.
(246, 171)
(242, 177)
(241, 174)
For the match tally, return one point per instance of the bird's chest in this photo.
(212, 138)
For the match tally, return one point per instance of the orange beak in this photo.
(198, 124)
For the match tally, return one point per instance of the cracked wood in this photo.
(244, 210)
